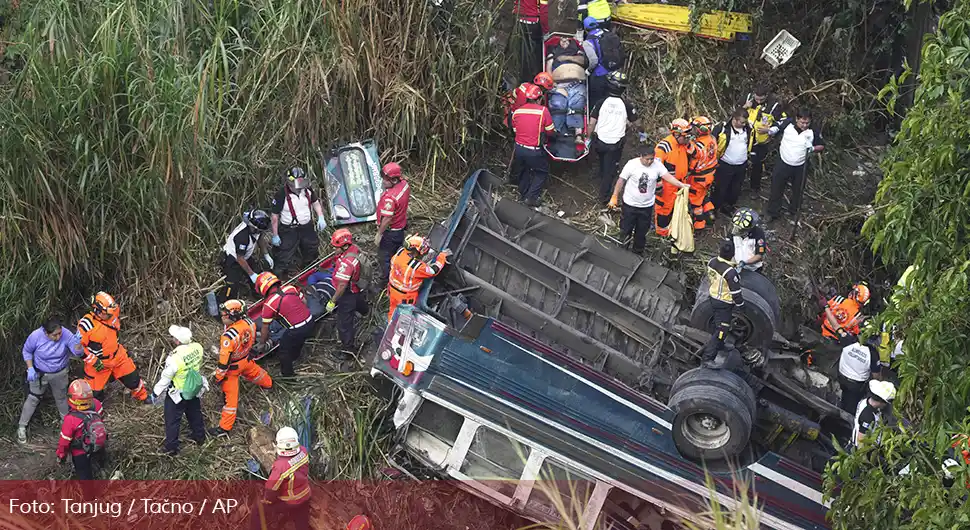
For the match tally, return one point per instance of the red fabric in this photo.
(529, 122)
(289, 480)
(533, 11)
(71, 430)
(290, 307)
(347, 269)
(517, 98)
(394, 202)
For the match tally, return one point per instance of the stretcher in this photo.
(316, 305)
(352, 182)
(720, 25)
(579, 134)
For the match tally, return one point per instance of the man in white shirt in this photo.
(857, 365)
(733, 144)
(797, 141)
(638, 185)
(608, 121)
(292, 222)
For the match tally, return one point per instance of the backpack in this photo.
(94, 435)
(610, 50)
(192, 384)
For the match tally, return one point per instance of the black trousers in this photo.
(391, 242)
(84, 464)
(238, 284)
(780, 177)
(727, 185)
(276, 515)
(292, 238)
(757, 157)
(530, 169)
(348, 306)
(722, 326)
(609, 155)
(291, 347)
(636, 222)
(852, 393)
(192, 408)
(530, 50)
(596, 88)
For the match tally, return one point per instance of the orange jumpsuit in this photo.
(844, 309)
(674, 157)
(100, 341)
(407, 274)
(234, 346)
(702, 164)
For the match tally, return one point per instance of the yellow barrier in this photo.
(721, 25)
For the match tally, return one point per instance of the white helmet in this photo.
(884, 390)
(287, 442)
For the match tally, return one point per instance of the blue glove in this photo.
(321, 224)
(31, 374)
(276, 240)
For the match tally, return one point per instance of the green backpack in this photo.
(192, 385)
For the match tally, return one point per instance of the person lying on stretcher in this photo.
(567, 61)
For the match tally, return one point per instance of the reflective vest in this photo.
(844, 309)
(704, 159)
(598, 9)
(408, 273)
(236, 342)
(673, 156)
(98, 338)
(187, 357)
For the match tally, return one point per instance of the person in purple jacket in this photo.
(46, 354)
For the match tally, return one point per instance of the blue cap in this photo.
(591, 23)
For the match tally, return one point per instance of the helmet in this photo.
(860, 292)
(744, 219)
(416, 243)
(544, 80)
(287, 442)
(391, 170)
(234, 309)
(104, 304)
(341, 237)
(616, 80)
(257, 219)
(591, 23)
(703, 124)
(264, 281)
(79, 395)
(359, 522)
(532, 92)
(679, 127)
(296, 179)
(883, 390)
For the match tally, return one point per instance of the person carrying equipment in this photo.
(750, 243)
(82, 430)
(286, 304)
(844, 314)
(46, 352)
(104, 356)
(673, 152)
(868, 412)
(533, 23)
(235, 345)
(408, 271)
(238, 251)
(286, 496)
(725, 291)
(605, 52)
(182, 382)
(532, 124)
(347, 299)
(858, 364)
(701, 168)
(291, 221)
(392, 216)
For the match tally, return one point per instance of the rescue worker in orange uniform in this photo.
(392, 216)
(234, 347)
(701, 168)
(844, 314)
(347, 299)
(408, 271)
(673, 152)
(104, 356)
(286, 496)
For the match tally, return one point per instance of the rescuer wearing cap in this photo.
(347, 299)
(287, 305)
(532, 123)
(673, 152)
(408, 271)
(392, 216)
(291, 221)
(182, 384)
(286, 496)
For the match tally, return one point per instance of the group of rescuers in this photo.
(47, 350)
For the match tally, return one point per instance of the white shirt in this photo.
(611, 120)
(744, 250)
(870, 424)
(640, 188)
(855, 363)
(240, 243)
(794, 144)
(736, 152)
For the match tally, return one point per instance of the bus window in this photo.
(433, 431)
(496, 460)
(560, 492)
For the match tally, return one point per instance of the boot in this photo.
(21, 434)
(217, 431)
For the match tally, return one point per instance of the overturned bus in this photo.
(547, 356)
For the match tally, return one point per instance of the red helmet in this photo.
(391, 170)
(544, 80)
(79, 395)
(104, 306)
(264, 281)
(341, 237)
(359, 522)
(532, 92)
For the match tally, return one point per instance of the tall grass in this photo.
(136, 130)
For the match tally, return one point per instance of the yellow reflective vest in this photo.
(187, 357)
